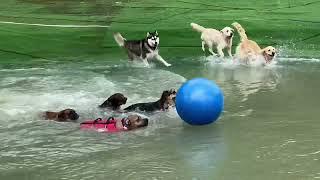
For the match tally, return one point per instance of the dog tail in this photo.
(241, 31)
(119, 39)
(197, 27)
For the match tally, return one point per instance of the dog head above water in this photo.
(227, 32)
(168, 99)
(114, 101)
(134, 122)
(68, 114)
(64, 115)
(153, 39)
(269, 53)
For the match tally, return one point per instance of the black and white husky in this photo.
(145, 49)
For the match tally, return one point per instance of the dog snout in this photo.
(231, 34)
(145, 121)
(74, 116)
(273, 53)
(173, 91)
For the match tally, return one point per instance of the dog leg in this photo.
(145, 61)
(203, 43)
(210, 50)
(162, 60)
(229, 52)
(220, 52)
(130, 55)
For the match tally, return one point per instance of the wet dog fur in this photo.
(166, 100)
(64, 115)
(248, 50)
(114, 102)
(221, 39)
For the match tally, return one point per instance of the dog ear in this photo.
(173, 91)
(62, 115)
(114, 102)
(262, 50)
(148, 34)
(72, 112)
(73, 115)
(165, 94)
(163, 98)
(156, 32)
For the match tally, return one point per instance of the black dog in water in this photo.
(114, 101)
(167, 100)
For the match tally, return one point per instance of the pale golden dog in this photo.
(249, 50)
(211, 37)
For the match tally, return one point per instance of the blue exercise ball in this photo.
(199, 101)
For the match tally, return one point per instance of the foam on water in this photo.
(233, 62)
(304, 60)
(248, 79)
(21, 69)
(26, 92)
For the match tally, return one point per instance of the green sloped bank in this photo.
(291, 25)
(36, 29)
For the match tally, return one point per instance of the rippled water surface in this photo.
(269, 127)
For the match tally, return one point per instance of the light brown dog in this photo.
(220, 39)
(64, 115)
(133, 122)
(249, 50)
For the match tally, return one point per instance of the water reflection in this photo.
(244, 79)
(200, 154)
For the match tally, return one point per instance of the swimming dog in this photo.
(64, 115)
(166, 100)
(111, 124)
(114, 101)
(145, 49)
(134, 122)
(248, 50)
(212, 37)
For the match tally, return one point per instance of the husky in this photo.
(145, 49)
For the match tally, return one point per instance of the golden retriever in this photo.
(249, 50)
(212, 37)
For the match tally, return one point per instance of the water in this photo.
(269, 127)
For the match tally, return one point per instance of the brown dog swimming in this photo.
(114, 101)
(64, 115)
(111, 124)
